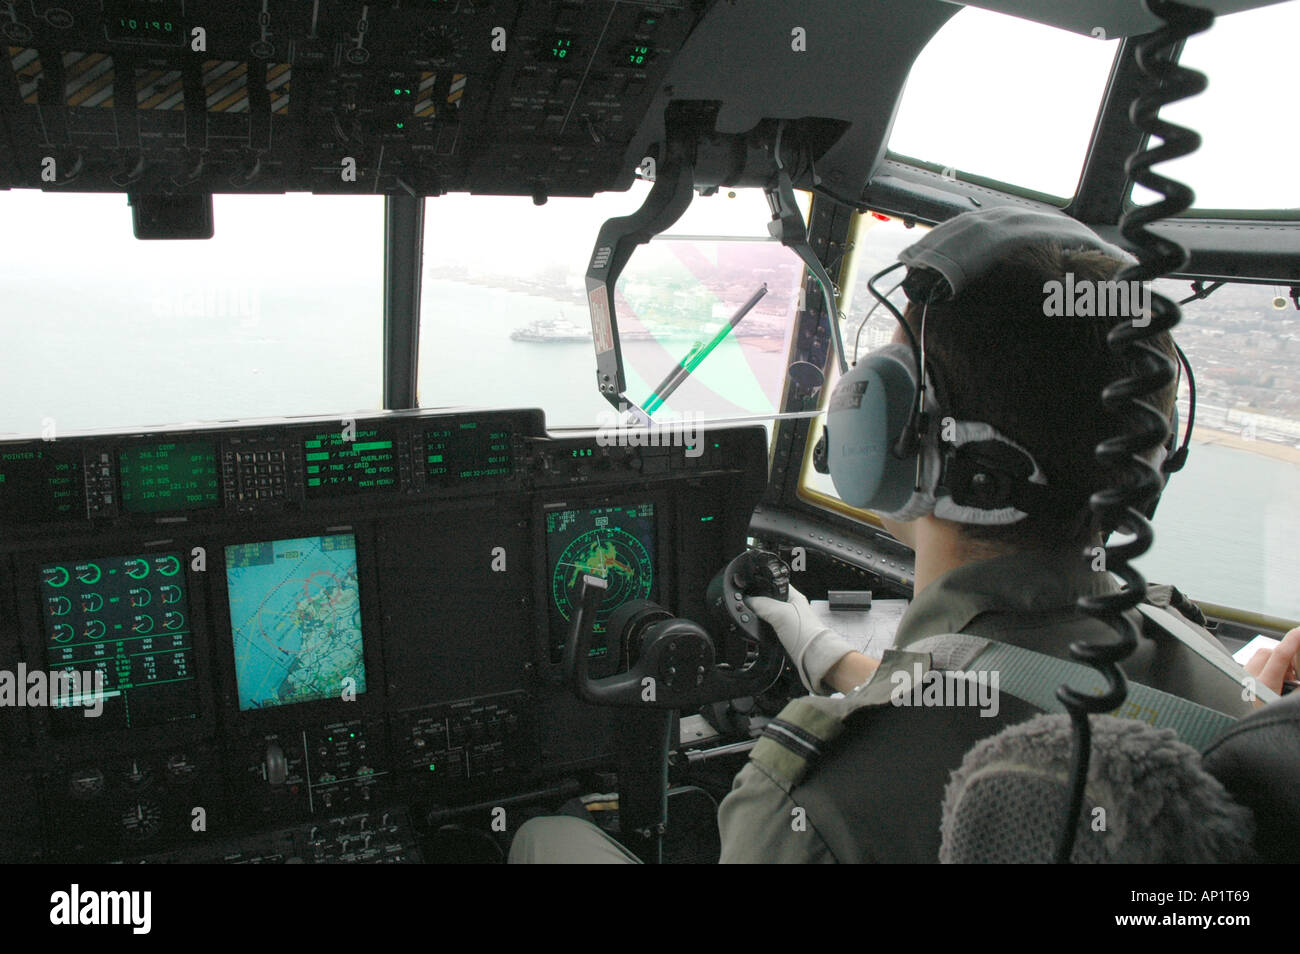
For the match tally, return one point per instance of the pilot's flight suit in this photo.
(865, 782)
(859, 779)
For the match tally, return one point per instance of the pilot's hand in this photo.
(1274, 666)
(812, 647)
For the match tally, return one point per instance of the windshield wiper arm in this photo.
(684, 368)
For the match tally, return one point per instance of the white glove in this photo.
(812, 647)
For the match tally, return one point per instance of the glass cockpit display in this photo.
(295, 619)
(350, 462)
(159, 477)
(466, 452)
(38, 484)
(119, 628)
(614, 543)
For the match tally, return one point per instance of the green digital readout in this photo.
(350, 462)
(637, 55)
(159, 477)
(39, 485)
(155, 23)
(467, 452)
(560, 47)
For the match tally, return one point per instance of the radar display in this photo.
(614, 543)
(295, 619)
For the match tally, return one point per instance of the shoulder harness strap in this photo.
(792, 742)
(1033, 678)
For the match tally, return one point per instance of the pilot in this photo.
(850, 779)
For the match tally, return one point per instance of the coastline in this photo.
(1206, 435)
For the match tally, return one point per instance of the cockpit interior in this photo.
(392, 388)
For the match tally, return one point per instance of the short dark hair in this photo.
(1037, 379)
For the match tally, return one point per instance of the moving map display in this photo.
(614, 543)
(128, 619)
(295, 619)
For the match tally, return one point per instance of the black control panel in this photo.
(229, 637)
(378, 837)
(211, 476)
(161, 96)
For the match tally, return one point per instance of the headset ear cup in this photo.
(920, 502)
(869, 410)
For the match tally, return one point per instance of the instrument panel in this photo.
(165, 96)
(250, 628)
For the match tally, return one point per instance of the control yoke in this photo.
(673, 665)
(674, 662)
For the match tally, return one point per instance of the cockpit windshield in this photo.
(279, 314)
(504, 309)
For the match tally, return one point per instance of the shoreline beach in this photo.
(1206, 435)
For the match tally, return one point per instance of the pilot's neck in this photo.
(940, 546)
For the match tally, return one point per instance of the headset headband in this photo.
(973, 243)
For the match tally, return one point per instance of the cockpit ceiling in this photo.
(512, 97)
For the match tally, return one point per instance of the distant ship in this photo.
(564, 329)
(551, 329)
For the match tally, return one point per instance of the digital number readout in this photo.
(467, 452)
(160, 477)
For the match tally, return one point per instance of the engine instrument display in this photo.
(295, 618)
(123, 622)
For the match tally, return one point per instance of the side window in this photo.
(968, 109)
(1227, 525)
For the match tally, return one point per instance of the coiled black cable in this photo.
(1135, 481)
